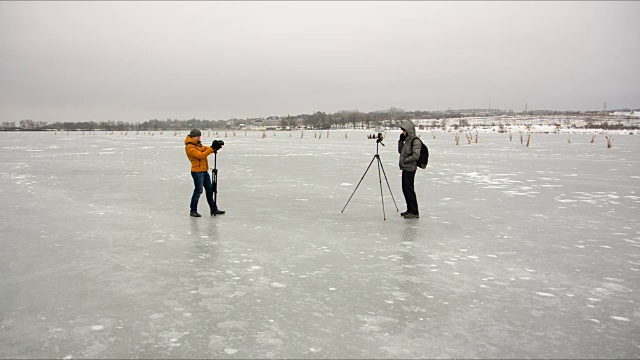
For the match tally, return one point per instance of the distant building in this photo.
(626, 113)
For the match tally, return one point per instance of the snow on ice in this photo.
(519, 251)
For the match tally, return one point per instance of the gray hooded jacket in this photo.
(408, 149)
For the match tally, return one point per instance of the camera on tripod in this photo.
(378, 138)
(217, 144)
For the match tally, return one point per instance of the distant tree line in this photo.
(23, 125)
(605, 125)
(343, 119)
(355, 119)
(150, 125)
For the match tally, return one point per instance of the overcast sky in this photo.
(134, 61)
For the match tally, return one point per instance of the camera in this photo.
(217, 144)
(378, 138)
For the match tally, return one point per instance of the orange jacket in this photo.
(197, 154)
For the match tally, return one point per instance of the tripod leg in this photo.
(215, 187)
(214, 178)
(354, 191)
(384, 215)
(389, 186)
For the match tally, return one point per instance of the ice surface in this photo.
(518, 253)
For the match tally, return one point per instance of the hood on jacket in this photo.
(409, 127)
(189, 140)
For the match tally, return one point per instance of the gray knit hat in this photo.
(195, 133)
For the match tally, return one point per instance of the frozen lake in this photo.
(519, 252)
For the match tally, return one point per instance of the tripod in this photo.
(380, 167)
(214, 178)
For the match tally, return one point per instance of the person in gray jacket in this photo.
(409, 154)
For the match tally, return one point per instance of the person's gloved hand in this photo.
(402, 137)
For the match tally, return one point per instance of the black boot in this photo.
(217, 212)
(194, 214)
(404, 213)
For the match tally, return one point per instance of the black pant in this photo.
(409, 192)
(200, 180)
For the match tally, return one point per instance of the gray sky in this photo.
(133, 61)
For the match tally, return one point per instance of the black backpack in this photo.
(424, 155)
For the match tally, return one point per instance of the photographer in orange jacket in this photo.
(197, 154)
